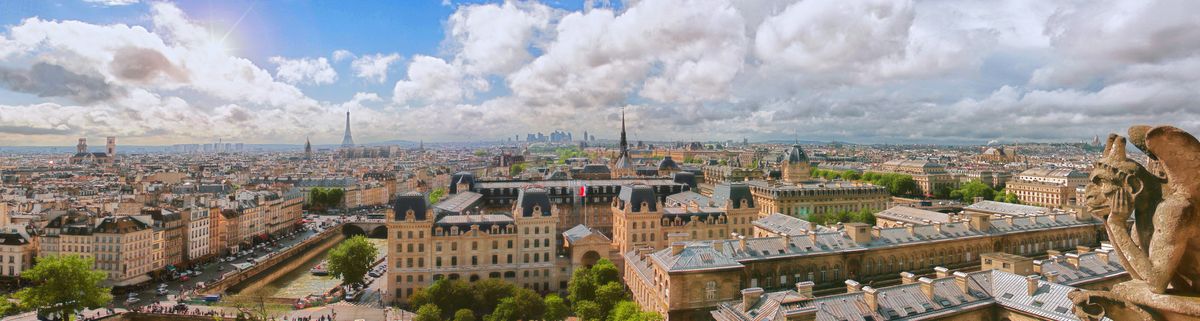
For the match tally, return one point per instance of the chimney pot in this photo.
(961, 279)
(805, 289)
(871, 296)
(1032, 285)
(750, 297)
(1082, 249)
(853, 286)
(941, 272)
(1051, 276)
(908, 278)
(927, 287)
(1073, 260)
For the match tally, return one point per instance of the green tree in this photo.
(516, 169)
(488, 292)
(851, 175)
(505, 311)
(464, 315)
(351, 259)
(428, 312)
(605, 271)
(608, 295)
(818, 218)
(588, 311)
(943, 192)
(449, 295)
(480, 153)
(582, 286)
(969, 191)
(630, 311)
(528, 304)
(63, 285)
(436, 194)
(556, 308)
(865, 216)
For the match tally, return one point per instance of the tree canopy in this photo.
(597, 294)
(63, 285)
(352, 259)
(321, 199)
(436, 194)
(969, 191)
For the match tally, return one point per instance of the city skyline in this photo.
(162, 73)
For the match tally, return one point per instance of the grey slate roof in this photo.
(780, 223)
(733, 192)
(533, 197)
(1007, 209)
(913, 215)
(635, 195)
(695, 256)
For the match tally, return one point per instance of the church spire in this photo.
(624, 143)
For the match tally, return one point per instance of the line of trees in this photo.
(595, 294)
(860, 216)
(320, 199)
(487, 299)
(896, 184)
(975, 188)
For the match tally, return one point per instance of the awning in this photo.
(132, 281)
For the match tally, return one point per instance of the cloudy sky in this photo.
(860, 71)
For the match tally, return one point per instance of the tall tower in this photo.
(82, 146)
(111, 146)
(347, 140)
(307, 148)
(624, 165)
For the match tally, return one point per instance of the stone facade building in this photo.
(518, 246)
(929, 176)
(687, 280)
(827, 197)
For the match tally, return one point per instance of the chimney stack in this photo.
(742, 243)
(1051, 276)
(1082, 249)
(1102, 254)
(853, 286)
(1073, 260)
(677, 247)
(908, 278)
(937, 226)
(941, 272)
(805, 289)
(927, 287)
(871, 296)
(1032, 285)
(961, 279)
(1037, 266)
(750, 298)
(787, 240)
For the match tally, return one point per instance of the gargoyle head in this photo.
(1113, 173)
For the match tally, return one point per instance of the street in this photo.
(220, 266)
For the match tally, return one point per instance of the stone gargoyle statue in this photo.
(1161, 249)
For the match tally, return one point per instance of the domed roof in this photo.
(795, 154)
(667, 163)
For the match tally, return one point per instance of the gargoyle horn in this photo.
(1109, 144)
(1179, 153)
(1117, 148)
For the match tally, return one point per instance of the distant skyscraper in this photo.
(347, 140)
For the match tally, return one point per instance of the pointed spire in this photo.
(347, 140)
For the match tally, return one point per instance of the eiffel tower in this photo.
(347, 140)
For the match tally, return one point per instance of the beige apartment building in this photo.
(517, 246)
(1047, 186)
(122, 246)
(826, 197)
(17, 250)
(640, 221)
(929, 176)
(687, 280)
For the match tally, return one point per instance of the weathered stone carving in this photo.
(1161, 250)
